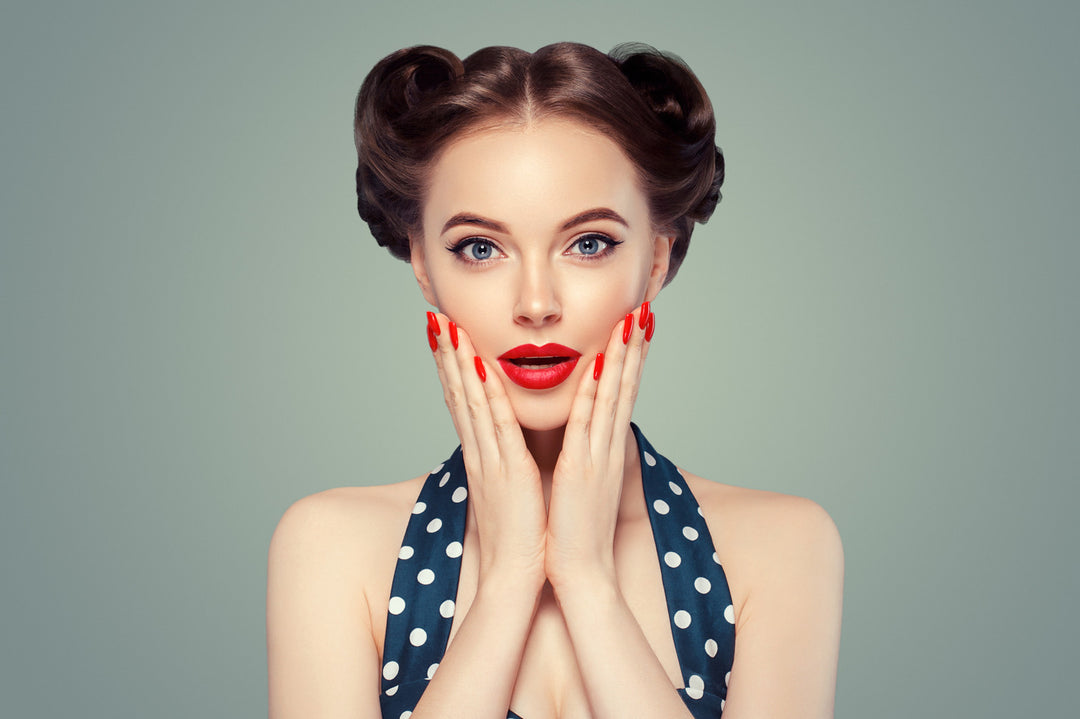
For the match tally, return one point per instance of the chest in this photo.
(549, 681)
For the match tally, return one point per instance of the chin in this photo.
(541, 416)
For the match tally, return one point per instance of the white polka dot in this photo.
(437, 467)
(729, 614)
(417, 637)
(690, 533)
(444, 479)
(727, 678)
(703, 585)
(722, 703)
(405, 552)
(675, 489)
(396, 605)
(434, 525)
(431, 670)
(715, 558)
(649, 459)
(391, 691)
(711, 647)
(672, 559)
(700, 513)
(453, 550)
(405, 715)
(446, 609)
(682, 619)
(695, 687)
(661, 506)
(390, 670)
(425, 576)
(419, 508)
(459, 495)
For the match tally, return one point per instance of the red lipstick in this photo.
(535, 367)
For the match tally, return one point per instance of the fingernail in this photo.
(453, 333)
(431, 339)
(642, 318)
(599, 366)
(650, 326)
(480, 369)
(433, 323)
(627, 327)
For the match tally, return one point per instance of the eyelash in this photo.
(609, 243)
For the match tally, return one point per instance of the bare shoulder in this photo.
(330, 555)
(769, 539)
(349, 532)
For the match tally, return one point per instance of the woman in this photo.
(556, 565)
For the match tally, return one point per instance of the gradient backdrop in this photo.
(197, 330)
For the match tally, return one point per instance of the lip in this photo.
(541, 377)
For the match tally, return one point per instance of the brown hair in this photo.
(418, 99)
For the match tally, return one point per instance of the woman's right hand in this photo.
(506, 500)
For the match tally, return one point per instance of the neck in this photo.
(544, 446)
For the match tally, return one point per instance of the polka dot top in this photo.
(421, 607)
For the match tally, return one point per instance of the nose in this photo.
(538, 296)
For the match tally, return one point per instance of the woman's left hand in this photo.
(588, 477)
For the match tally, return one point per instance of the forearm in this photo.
(476, 676)
(622, 675)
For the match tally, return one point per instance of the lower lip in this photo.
(540, 377)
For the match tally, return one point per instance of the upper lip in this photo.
(551, 349)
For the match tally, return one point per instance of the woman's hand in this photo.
(505, 495)
(588, 478)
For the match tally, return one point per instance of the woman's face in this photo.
(532, 236)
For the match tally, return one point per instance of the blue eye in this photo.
(479, 250)
(588, 245)
(475, 250)
(594, 246)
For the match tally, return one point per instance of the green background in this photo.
(197, 330)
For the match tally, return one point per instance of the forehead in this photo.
(533, 176)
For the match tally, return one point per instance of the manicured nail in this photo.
(480, 369)
(650, 326)
(627, 327)
(599, 366)
(431, 339)
(433, 323)
(453, 333)
(642, 318)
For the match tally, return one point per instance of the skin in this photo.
(560, 607)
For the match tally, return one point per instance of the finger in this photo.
(607, 392)
(577, 438)
(509, 439)
(629, 382)
(476, 405)
(454, 393)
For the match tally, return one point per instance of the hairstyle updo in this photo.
(416, 100)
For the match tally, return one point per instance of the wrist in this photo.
(596, 587)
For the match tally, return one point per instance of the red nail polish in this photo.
(453, 334)
(434, 343)
(433, 323)
(627, 327)
(650, 326)
(480, 369)
(644, 316)
(599, 366)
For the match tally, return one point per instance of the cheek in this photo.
(601, 305)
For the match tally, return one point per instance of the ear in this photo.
(417, 259)
(662, 245)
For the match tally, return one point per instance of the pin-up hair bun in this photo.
(416, 100)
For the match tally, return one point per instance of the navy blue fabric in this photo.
(421, 608)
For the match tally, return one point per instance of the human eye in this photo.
(593, 246)
(475, 250)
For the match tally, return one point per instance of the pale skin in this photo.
(560, 607)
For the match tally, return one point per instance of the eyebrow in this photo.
(596, 213)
